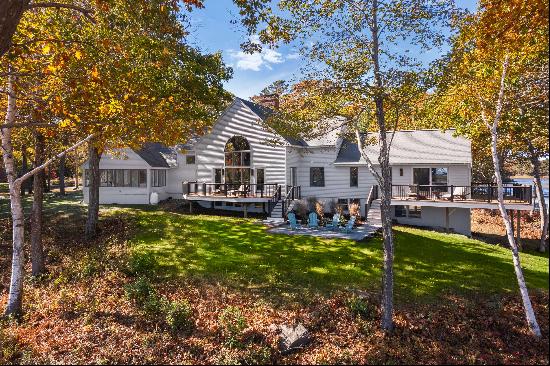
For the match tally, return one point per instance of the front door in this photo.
(217, 178)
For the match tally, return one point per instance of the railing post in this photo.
(262, 191)
(452, 193)
(489, 193)
(225, 189)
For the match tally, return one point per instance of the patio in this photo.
(359, 233)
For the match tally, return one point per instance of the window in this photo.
(400, 211)
(119, 178)
(158, 178)
(237, 152)
(400, 172)
(317, 177)
(190, 159)
(354, 176)
(421, 176)
(415, 211)
(439, 178)
(260, 178)
(293, 177)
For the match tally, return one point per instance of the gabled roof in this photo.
(157, 155)
(412, 147)
(263, 113)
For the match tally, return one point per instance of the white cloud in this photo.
(255, 61)
(293, 56)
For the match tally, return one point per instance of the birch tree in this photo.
(494, 48)
(357, 49)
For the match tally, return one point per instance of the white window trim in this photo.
(431, 167)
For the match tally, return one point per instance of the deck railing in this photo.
(475, 192)
(230, 189)
(292, 193)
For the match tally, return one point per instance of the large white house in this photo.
(240, 165)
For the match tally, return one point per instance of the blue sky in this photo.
(212, 31)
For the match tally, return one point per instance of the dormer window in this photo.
(190, 159)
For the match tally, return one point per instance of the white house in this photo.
(240, 165)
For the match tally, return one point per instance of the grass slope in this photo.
(239, 252)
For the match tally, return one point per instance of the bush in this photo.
(355, 210)
(300, 208)
(140, 291)
(141, 263)
(332, 206)
(232, 323)
(360, 307)
(320, 209)
(179, 317)
(311, 204)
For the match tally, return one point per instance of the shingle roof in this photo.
(413, 147)
(157, 155)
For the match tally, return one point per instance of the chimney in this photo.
(267, 100)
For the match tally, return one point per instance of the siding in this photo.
(239, 120)
(459, 175)
(434, 217)
(182, 173)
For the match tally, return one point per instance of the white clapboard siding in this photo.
(337, 178)
(239, 120)
(182, 173)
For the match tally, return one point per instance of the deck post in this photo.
(489, 193)
(452, 193)
(245, 205)
(518, 228)
(447, 219)
(191, 207)
(225, 189)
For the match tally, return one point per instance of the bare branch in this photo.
(29, 174)
(28, 124)
(86, 12)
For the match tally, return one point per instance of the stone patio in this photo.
(358, 233)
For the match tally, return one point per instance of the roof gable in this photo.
(157, 155)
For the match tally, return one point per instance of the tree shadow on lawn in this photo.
(239, 253)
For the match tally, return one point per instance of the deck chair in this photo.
(349, 226)
(313, 222)
(458, 192)
(335, 222)
(292, 221)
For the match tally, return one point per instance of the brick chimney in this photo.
(267, 100)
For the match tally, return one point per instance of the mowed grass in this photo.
(238, 252)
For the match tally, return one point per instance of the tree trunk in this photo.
(10, 15)
(529, 312)
(540, 198)
(93, 191)
(15, 297)
(385, 183)
(37, 251)
(49, 181)
(62, 175)
(76, 175)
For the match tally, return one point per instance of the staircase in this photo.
(374, 216)
(286, 200)
(277, 212)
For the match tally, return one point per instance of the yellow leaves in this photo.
(171, 98)
(78, 55)
(66, 123)
(46, 49)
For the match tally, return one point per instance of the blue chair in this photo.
(335, 222)
(292, 221)
(349, 226)
(313, 222)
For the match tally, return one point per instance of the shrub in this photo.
(300, 208)
(232, 323)
(355, 210)
(360, 307)
(320, 209)
(332, 206)
(179, 316)
(141, 263)
(311, 203)
(140, 291)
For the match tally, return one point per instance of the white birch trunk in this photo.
(15, 297)
(493, 127)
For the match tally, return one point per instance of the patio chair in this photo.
(458, 192)
(349, 226)
(313, 222)
(335, 222)
(292, 221)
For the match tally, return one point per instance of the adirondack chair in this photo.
(335, 222)
(349, 226)
(313, 222)
(292, 221)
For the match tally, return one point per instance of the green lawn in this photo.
(240, 253)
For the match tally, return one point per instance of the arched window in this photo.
(237, 152)
(237, 160)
